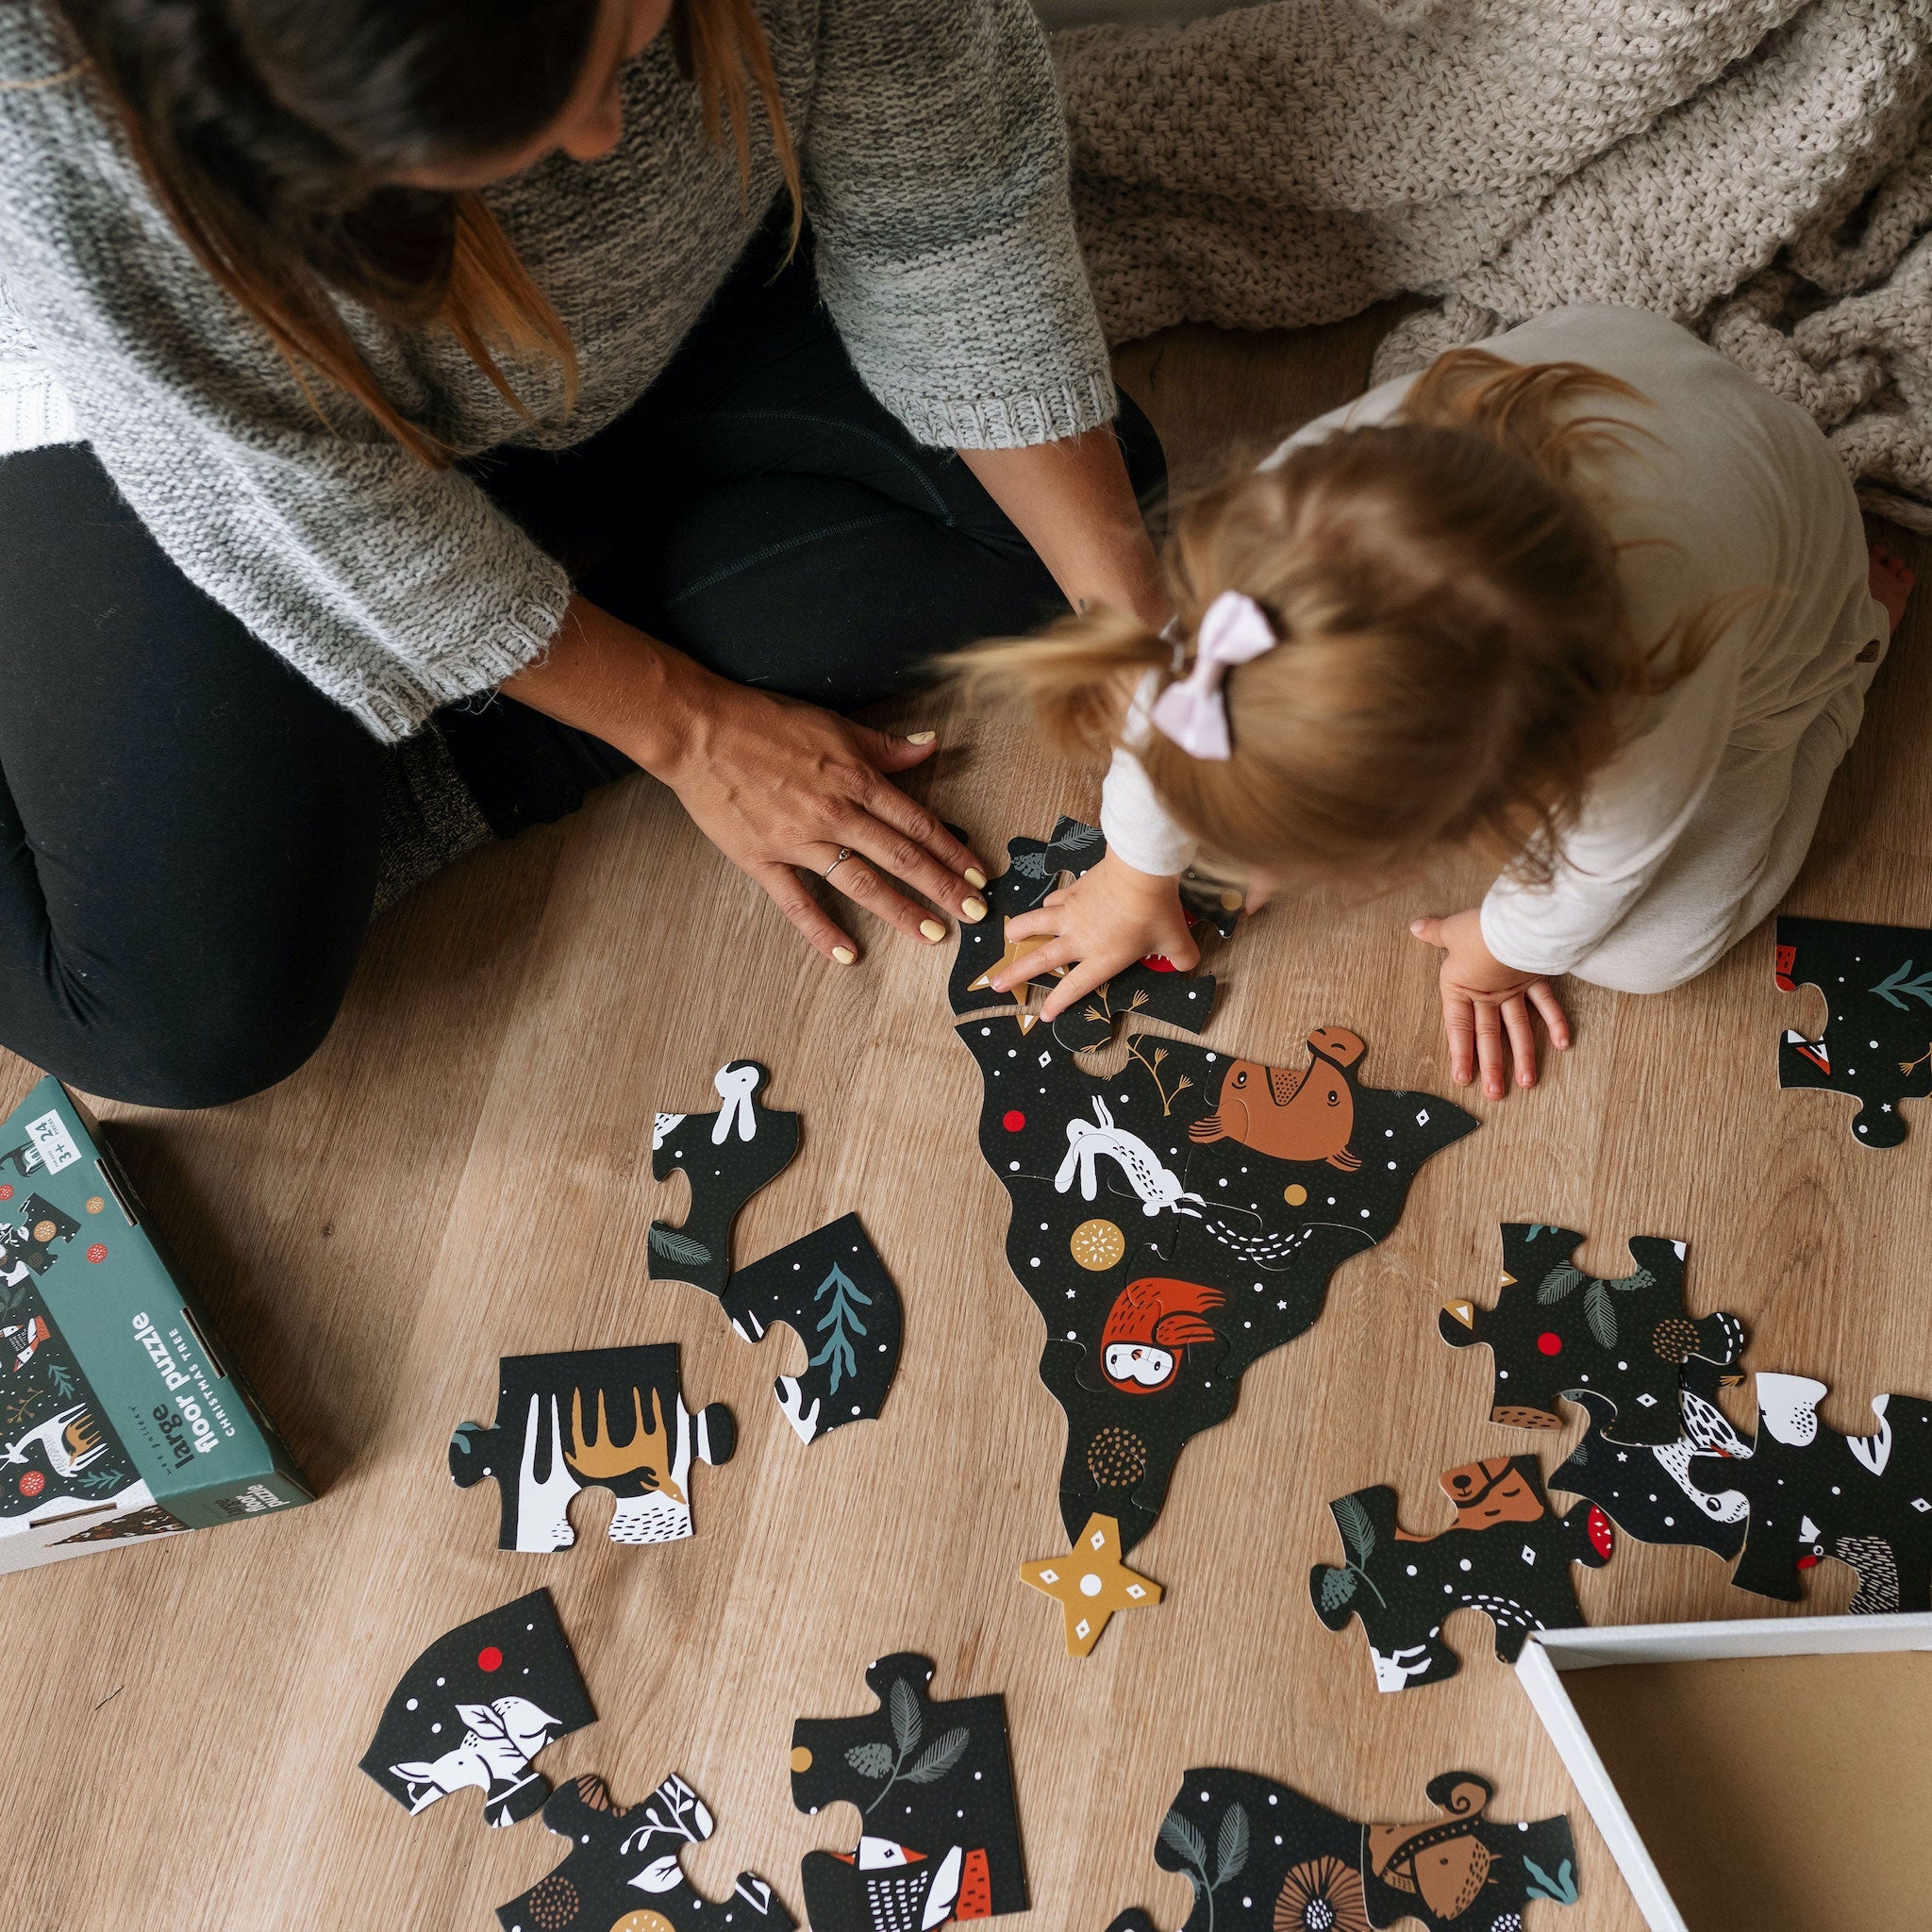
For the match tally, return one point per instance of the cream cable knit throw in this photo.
(1759, 169)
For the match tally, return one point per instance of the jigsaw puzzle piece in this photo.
(984, 948)
(726, 1156)
(1648, 1493)
(624, 1874)
(1877, 1045)
(832, 1290)
(606, 1418)
(477, 1707)
(1554, 1330)
(1508, 1554)
(1465, 1869)
(1148, 990)
(934, 1783)
(1865, 1501)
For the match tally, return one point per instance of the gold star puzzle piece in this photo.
(1090, 1583)
(1016, 951)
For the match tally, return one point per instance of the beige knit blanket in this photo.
(1758, 168)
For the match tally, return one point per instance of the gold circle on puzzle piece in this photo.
(1674, 1338)
(1295, 1193)
(94, 1204)
(1116, 1458)
(1098, 1245)
(1230, 902)
(1511, 1416)
(643, 1921)
(45, 1231)
(554, 1903)
(801, 1757)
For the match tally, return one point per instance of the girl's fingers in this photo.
(1542, 996)
(1521, 1033)
(1459, 1023)
(789, 894)
(1076, 986)
(1489, 1051)
(1034, 926)
(1427, 930)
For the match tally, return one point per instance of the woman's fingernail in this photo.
(932, 929)
(975, 878)
(973, 910)
(1415, 926)
(844, 955)
(921, 737)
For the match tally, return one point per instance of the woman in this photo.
(426, 350)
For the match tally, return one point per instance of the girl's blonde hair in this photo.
(1455, 660)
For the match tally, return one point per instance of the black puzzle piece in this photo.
(832, 1290)
(1647, 1493)
(1865, 1501)
(934, 1785)
(477, 1707)
(726, 1156)
(1507, 1554)
(1877, 1042)
(624, 1871)
(1554, 1330)
(604, 1417)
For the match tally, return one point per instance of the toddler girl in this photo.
(1587, 597)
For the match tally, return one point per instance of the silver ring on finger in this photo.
(845, 852)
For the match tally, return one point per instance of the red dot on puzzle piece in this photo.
(7, 1192)
(98, 1252)
(1013, 1120)
(32, 1483)
(490, 1658)
(1547, 1343)
(1603, 1538)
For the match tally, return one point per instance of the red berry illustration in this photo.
(32, 1483)
(98, 1252)
(1547, 1343)
(7, 1191)
(1013, 1122)
(490, 1658)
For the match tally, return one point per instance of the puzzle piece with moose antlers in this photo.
(1865, 1501)
(726, 1156)
(934, 1788)
(1170, 1236)
(1508, 1554)
(1554, 1330)
(623, 1872)
(606, 1418)
(1262, 1857)
(1877, 1042)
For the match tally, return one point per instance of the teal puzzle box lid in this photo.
(119, 1415)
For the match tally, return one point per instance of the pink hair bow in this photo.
(1194, 712)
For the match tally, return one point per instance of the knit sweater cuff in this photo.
(397, 701)
(1007, 422)
(34, 409)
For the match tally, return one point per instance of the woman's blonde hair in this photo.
(270, 131)
(1456, 657)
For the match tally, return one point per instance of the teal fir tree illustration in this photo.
(840, 1323)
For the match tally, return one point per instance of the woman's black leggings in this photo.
(189, 832)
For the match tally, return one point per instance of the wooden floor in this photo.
(463, 1171)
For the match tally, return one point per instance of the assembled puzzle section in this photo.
(1168, 1238)
(623, 1872)
(726, 1156)
(933, 1783)
(1508, 1554)
(1262, 1857)
(1150, 990)
(1865, 1501)
(120, 1419)
(1557, 1330)
(477, 1707)
(606, 1418)
(1877, 1042)
(832, 1290)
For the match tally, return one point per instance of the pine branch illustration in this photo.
(1358, 1531)
(1562, 1280)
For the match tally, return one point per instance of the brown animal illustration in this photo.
(1485, 1493)
(1444, 1865)
(1306, 1114)
(597, 1459)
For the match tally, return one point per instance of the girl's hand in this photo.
(1101, 923)
(1484, 1000)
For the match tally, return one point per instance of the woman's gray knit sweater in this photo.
(936, 180)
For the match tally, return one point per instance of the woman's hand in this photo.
(1103, 922)
(778, 787)
(1484, 1001)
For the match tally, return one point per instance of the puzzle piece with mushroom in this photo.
(1171, 1233)
(623, 1872)
(1555, 1329)
(605, 1418)
(1262, 1857)
(1865, 1501)
(1508, 1554)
